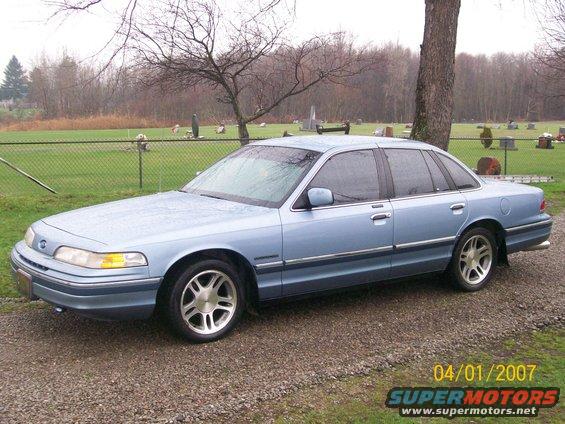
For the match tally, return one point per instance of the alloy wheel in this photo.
(475, 259)
(208, 302)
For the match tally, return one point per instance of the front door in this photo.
(347, 243)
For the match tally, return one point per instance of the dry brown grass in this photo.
(97, 122)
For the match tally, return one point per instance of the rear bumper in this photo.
(111, 300)
(532, 236)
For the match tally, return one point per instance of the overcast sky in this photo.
(485, 26)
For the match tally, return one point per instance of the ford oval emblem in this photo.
(42, 244)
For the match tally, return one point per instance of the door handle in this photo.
(457, 206)
(378, 216)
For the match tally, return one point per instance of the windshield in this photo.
(258, 175)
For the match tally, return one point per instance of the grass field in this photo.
(100, 167)
(86, 174)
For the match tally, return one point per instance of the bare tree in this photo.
(434, 88)
(243, 52)
(550, 54)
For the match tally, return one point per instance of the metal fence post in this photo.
(505, 157)
(140, 166)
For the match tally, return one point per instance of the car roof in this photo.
(323, 143)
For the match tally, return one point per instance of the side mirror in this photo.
(320, 197)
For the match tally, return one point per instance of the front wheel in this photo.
(206, 301)
(473, 260)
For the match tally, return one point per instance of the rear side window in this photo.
(410, 174)
(461, 176)
(351, 176)
(440, 183)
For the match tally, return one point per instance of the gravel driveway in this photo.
(69, 369)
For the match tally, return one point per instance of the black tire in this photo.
(455, 271)
(178, 291)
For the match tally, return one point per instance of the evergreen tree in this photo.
(15, 84)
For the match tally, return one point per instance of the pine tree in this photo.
(15, 84)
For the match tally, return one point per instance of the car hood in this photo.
(143, 217)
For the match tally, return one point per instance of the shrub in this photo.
(486, 137)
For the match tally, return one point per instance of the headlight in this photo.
(88, 259)
(30, 235)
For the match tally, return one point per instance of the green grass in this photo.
(98, 168)
(85, 174)
(544, 348)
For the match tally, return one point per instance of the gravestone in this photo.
(512, 125)
(507, 143)
(310, 123)
(496, 127)
(389, 132)
(480, 126)
(358, 122)
(379, 132)
(195, 125)
(488, 166)
(545, 141)
(531, 126)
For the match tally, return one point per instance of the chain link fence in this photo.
(102, 166)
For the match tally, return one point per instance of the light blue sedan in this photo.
(277, 219)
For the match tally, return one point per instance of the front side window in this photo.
(351, 176)
(410, 174)
(257, 175)
(461, 177)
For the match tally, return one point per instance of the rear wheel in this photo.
(206, 301)
(474, 259)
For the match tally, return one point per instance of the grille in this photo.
(34, 264)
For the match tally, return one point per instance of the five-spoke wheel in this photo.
(473, 259)
(208, 301)
(205, 301)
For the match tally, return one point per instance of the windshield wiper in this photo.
(213, 197)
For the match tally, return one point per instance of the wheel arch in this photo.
(497, 229)
(230, 256)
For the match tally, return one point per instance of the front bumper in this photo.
(112, 300)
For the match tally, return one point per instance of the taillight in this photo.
(542, 206)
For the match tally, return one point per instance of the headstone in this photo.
(488, 166)
(262, 124)
(195, 125)
(512, 125)
(358, 122)
(496, 127)
(379, 132)
(221, 129)
(531, 126)
(507, 143)
(481, 125)
(408, 126)
(309, 124)
(545, 141)
(389, 131)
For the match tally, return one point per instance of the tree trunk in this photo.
(434, 88)
(242, 132)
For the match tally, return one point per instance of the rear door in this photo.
(347, 243)
(428, 212)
